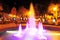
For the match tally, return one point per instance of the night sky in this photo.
(8, 4)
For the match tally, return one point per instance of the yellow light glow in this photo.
(14, 15)
(10, 15)
(55, 8)
(52, 8)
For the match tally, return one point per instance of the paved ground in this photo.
(52, 35)
(55, 35)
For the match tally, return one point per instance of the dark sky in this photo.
(24, 2)
(8, 4)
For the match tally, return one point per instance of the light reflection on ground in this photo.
(55, 35)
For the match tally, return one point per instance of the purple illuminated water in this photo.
(31, 32)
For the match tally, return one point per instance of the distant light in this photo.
(55, 8)
(43, 20)
(54, 20)
(21, 18)
(14, 15)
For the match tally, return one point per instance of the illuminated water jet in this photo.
(19, 34)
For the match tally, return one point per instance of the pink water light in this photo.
(31, 32)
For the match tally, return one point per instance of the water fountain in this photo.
(31, 32)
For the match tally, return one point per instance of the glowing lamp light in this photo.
(54, 20)
(14, 15)
(55, 8)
